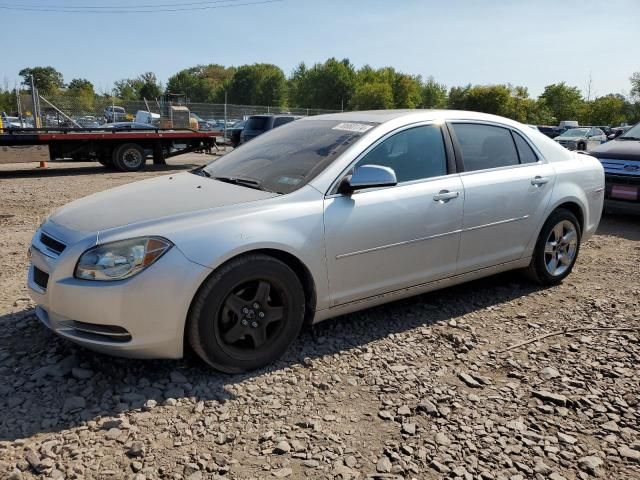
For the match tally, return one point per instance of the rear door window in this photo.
(527, 155)
(485, 146)
(281, 121)
(257, 123)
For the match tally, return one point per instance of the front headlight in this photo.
(122, 259)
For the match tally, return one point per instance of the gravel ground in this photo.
(421, 388)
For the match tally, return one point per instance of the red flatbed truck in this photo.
(124, 150)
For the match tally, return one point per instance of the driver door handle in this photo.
(445, 196)
(540, 181)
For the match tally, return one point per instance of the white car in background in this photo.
(581, 138)
(320, 217)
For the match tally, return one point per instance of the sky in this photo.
(531, 43)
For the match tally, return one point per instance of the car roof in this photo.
(382, 116)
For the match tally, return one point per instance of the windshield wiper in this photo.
(245, 182)
(201, 171)
(622, 137)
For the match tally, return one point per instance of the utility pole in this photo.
(589, 88)
(36, 102)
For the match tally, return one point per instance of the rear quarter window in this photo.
(281, 121)
(257, 123)
(527, 155)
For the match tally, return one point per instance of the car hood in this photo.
(150, 200)
(620, 149)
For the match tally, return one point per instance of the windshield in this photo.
(633, 132)
(576, 132)
(287, 158)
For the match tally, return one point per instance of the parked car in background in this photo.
(114, 114)
(233, 132)
(16, 122)
(129, 126)
(88, 121)
(258, 124)
(551, 132)
(617, 131)
(621, 161)
(567, 124)
(583, 138)
(321, 217)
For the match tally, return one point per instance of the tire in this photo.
(129, 157)
(232, 324)
(560, 224)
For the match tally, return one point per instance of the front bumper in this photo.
(142, 316)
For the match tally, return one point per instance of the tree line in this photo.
(337, 85)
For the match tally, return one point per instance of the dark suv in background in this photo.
(258, 124)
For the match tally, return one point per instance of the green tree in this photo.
(48, 80)
(81, 94)
(373, 96)
(202, 83)
(258, 84)
(635, 86)
(150, 87)
(328, 85)
(128, 89)
(607, 110)
(434, 95)
(564, 102)
(407, 91)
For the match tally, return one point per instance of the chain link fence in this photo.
(93, 112)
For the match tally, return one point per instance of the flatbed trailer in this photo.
(124, 150)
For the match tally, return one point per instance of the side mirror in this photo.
(368, 176)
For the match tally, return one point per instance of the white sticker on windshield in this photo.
(353, 127)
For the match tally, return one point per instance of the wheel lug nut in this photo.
(261, 314)
(244, 322)
(245, 310)
(254, 324)
(256, 305)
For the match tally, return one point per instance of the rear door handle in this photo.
(540, 181)
(445, 196)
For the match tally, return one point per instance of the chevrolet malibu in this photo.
(318, 218)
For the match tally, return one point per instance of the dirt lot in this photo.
(417, 389)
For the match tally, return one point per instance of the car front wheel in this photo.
(246, 314)
(557, 248)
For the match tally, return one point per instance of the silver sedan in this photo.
(321, 217)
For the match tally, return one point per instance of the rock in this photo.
(149, 404)
(590, 464)
(469, 380)
(282, 447)
(404, 411)
(542, 468)
(113, 433)
(442, 439)
(629, 454)
(385, 415)
(137, 449)
(136, 466)
(556, 476)
(610, 426)
(170, 402)
(81, 373)
(428, 406)
(409, 428)
(351, 461)
(548, 373)
(439, 467)
(33, 459)
(384, 465)
(15, 475)
(311, 463)
(282, 473)
(551, 397)
(175, 392)
(177, 377)
(73, 404)
(568, 439)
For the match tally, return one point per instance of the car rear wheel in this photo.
(246, 314)
(557, 248)
(129, 157)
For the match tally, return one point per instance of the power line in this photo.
(78, 10)
(107, 7)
